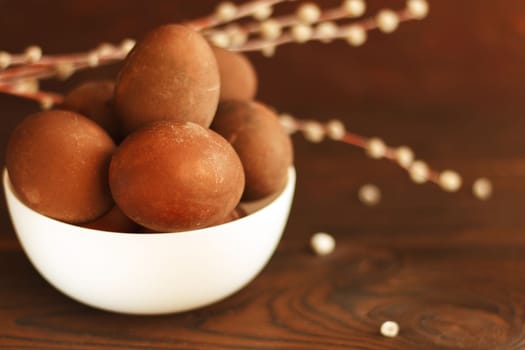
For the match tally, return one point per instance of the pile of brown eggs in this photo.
(176, 143)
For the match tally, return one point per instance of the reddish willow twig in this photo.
(374, 147)
(63, 65)
(310, 22)
(354, 33)
(289, 20)
(227, 12)
(29, 90)
(308, 13)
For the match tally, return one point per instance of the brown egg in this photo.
(143, 229)
(172, 176)
(58, 165)
(250, 207)
(235, 214)
(261, 142)
(238, 77)
(171, 74)
(114, 221)
(93, 99)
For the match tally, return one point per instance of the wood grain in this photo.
(447, 268)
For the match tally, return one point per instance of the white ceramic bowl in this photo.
(150, 273)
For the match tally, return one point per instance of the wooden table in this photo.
(447, 267)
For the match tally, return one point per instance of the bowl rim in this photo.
(289, 187)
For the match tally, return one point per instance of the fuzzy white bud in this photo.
(27, 86)
(226, 11)
(105, 49)
(220, 39)
(270, 29)
(268, 50)
(404, 156)
(450, 181)
(92, 59)
(308, 13)
(375, 148)
(33, 54)
(313, 131)
(482, 188)
(288, 123)
(335, 129)
(354, 8)
(418, 8)
(326, 31)
(387, 21)
(127, 45)
(5, 59)
(46, 103)
(262, 12)
(302, 33)
(419, 172)
(390, 329)
(356, 35)
(64, 70)
(369, 195)
(322, 243)
(238, 38)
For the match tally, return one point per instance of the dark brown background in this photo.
(447, 267)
